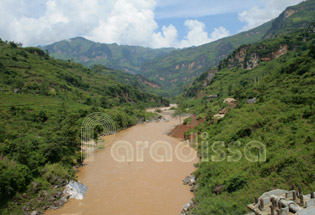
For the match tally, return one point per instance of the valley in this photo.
(232, 118)
(134, 187)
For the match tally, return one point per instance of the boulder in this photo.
(64, 199)
(190, 180)
(58, 194)
(251, 101)
(187, 207)
(36, 186)
(75, 190)
(192, 188)
(60, 203)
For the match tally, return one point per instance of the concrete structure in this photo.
(283, 202)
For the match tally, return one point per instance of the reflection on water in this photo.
(134, 188)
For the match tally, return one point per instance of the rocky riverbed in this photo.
(54, 198)
(190, 181)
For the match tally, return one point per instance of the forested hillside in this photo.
(254, 87)
(274, 106)
(181, 67)
(293, 18)
(174, 69)
(137, 81)
(43, 102)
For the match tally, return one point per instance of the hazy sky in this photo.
(150, 23)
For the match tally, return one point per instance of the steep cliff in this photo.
(249, 56)
(292, 19)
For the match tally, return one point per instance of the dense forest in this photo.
(42, 106)
(275, 106)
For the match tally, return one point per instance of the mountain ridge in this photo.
(174, 69)
(120, 57)
(180, 67)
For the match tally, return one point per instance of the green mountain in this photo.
(280, 74)
(180, 67)
(119, 57)
(296, 17)
(137, 81)
(174, 71)
(43, 102)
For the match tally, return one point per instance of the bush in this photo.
(56, 173)
(13, 178)
(235, 182)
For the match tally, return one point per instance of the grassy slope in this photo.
(32, 71)
(40, 124)
(282, 119)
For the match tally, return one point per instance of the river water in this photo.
(134, 188)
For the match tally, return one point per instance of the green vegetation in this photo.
(282, 119)
(43, 102)
(174, 69)
(179, 68)
(137, 81)
(292, 19)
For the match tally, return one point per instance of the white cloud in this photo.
(166, 38)
(200, 8)
(198, 36)
(51, 20)
(129, 22)
(259, 15)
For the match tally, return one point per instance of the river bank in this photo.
(134, 187)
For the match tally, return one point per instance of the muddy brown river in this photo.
(134, 187)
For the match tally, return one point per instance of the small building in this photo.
(251, 101)
(283, 202)
(230, 101)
